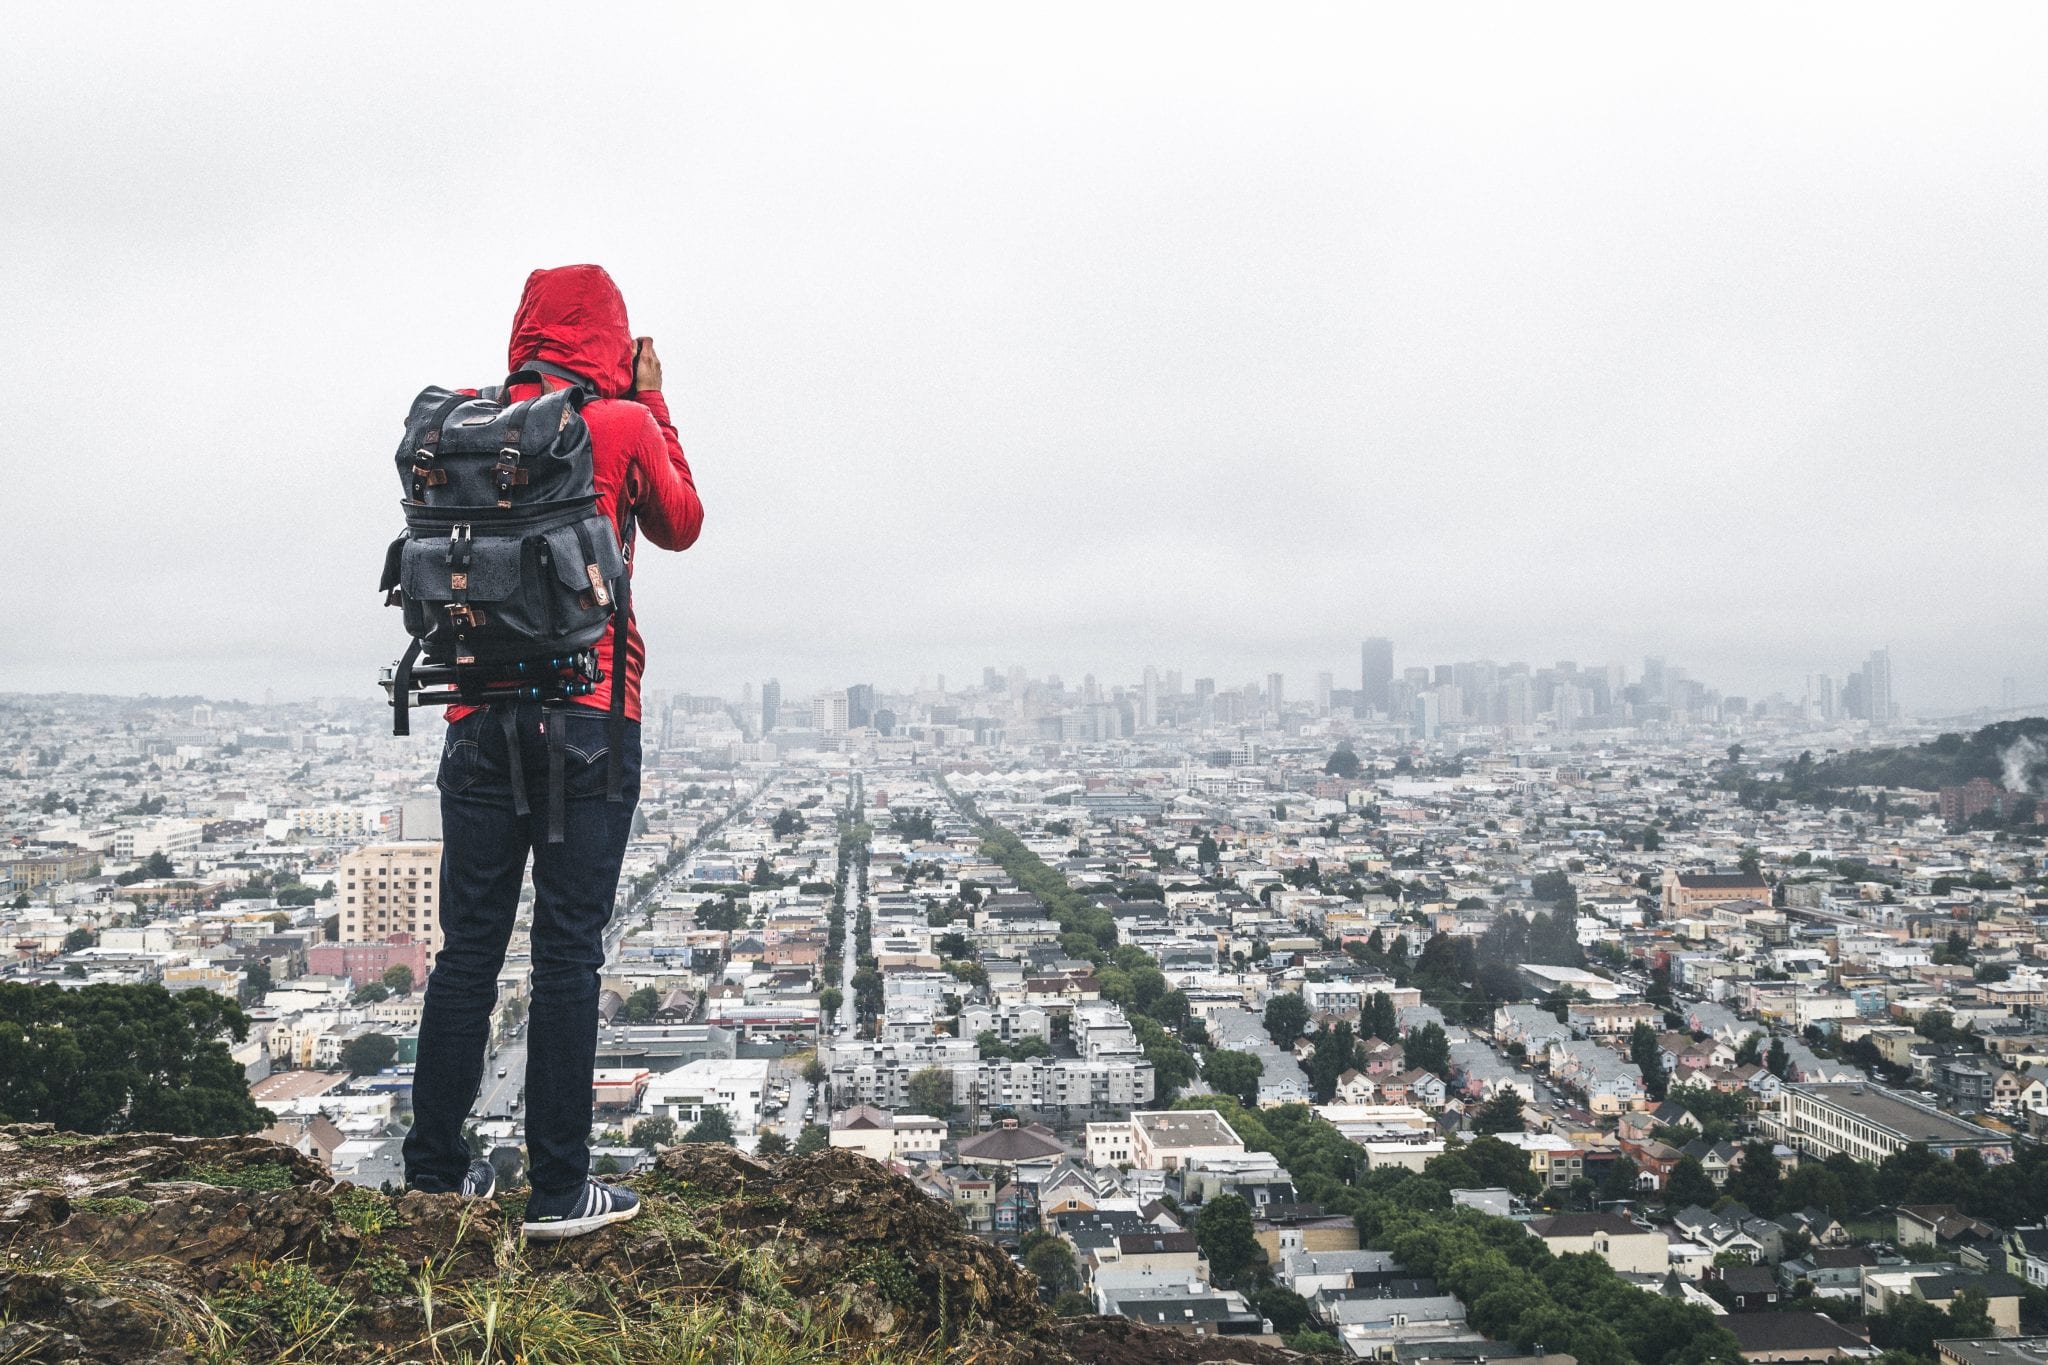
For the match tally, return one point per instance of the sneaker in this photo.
(480, 1181)
(550, 1217)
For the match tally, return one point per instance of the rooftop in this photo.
(1187, 1128)
(1904, 1118)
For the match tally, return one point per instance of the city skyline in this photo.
(1716, 349)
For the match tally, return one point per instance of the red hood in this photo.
(574, 316)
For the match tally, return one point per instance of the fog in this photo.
(1079, 337)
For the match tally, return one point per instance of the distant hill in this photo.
(2013, 753)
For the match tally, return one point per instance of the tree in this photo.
(1343, 763)
(398, 978)
(369, 1054)
(1775, 1060)
(713, 1125)
(659, 1131)
(1053, 1264)
(1755, 1182)
(814, 1071)
(931, 1092)
(1648, 1055)
(1224, 1232)
(1428, 1049)
(109, 1059)
(1206, 852)
(1688, 1184)
(1285, 1309)
(1334, 1048)
(787, 822)
(1378, 1018)
(830, 999)
(74, 941)
(1235, 1074)
(772, 1143)
(256, 979)
(373, 993)
(1621, 1179)
(1501, 1114)
(641, 1005)
(813, 1138)
(1286, 1018)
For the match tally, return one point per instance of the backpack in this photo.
(507, 574)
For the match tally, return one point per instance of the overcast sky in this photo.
(1081, 337)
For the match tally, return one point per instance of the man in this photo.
(570, 320)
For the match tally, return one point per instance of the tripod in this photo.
(474, 684)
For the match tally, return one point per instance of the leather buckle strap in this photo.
(508, 721)
(557, 782)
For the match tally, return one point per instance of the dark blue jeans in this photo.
(485, 844)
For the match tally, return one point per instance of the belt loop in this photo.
(556, 800)
(508, 721)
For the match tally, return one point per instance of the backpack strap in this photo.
(533, 371)
(615, 727)
(401, 690)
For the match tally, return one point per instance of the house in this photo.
(1629, 1248)
(1733, 1231)
(1355, 1087)
(314, 1136)
(1834, 1272)
(1938, 1284)
(1793, 1337)
(1749, 1288)
(2026, 1255)
(1010, 1144)
(1821, 1228)
(1931, 1224)
(1309, 1272)
(1413, 1087)
(1283, 1231)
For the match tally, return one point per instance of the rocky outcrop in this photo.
(145, 1248)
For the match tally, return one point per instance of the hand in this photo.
(646, 366)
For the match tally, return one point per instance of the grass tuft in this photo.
(260, 1177)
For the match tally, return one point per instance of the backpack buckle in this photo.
(463, 614)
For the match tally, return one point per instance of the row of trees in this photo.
(1514, 1289)
(1126, 975)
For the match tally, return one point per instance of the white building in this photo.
(736, 1085)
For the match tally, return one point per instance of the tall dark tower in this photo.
(1376, 674)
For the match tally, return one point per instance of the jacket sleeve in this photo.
(659, 483)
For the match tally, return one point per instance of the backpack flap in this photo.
(587, 566)
(463, 451)
(464, 590)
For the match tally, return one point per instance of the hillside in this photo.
(147, 1248)
(2012, 752)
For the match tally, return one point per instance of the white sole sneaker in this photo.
(601, 1211)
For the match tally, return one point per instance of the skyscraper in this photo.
(1276, 693)
(1325, 684)
(860, 705)
(1877, 687)
(771, 704)
(1376, 673)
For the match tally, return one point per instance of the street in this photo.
(497, 1098)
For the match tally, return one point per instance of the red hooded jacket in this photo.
(574, 317)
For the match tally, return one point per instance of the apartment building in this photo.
(389, 889)
(1870, 1122)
